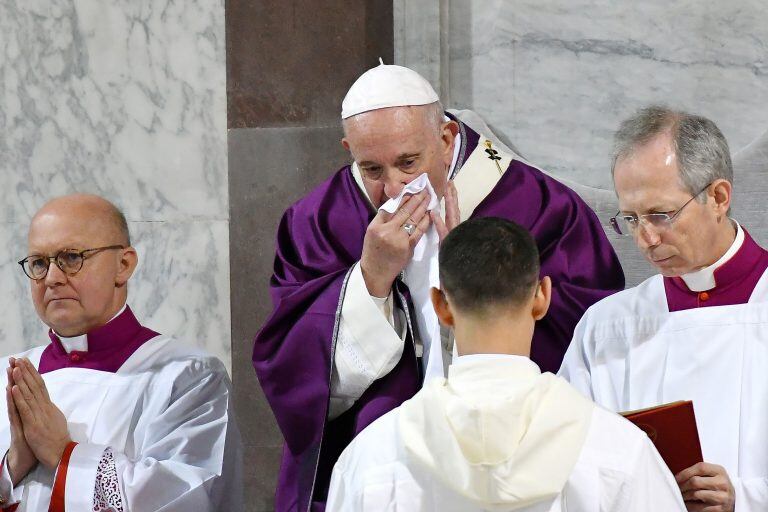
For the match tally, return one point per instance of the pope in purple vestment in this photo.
(325, 238)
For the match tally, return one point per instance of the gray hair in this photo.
(701, 149)
(435, 115)
(121, 223)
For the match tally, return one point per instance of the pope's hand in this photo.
(706, 487)
(20, 459)
(388, 247)
(452, 214)
(45, 427)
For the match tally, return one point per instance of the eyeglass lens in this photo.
(68, 261)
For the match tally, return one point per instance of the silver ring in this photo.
(409, 228)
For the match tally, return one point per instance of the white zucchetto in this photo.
(387, 86)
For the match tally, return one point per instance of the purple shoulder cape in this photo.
(318, 241)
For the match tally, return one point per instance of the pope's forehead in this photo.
(393, 119)
(397, 131)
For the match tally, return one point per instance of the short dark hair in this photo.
(488, 261)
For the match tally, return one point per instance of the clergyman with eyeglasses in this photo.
(699, 329)
(109, 415)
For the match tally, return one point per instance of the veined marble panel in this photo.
(125, 99)
(20, 328)
(556, 77)
(417, 33)
(181, 286)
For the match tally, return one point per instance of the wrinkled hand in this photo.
(21, 460)
(452, 213)
(706, 488)
(44, 425)
(387, 247)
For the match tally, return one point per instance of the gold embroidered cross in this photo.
(493, 155)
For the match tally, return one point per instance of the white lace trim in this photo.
(106, 495)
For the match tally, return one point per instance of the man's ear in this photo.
(722, 191)
(542, 298)
(127, 263)
(448, 134)
(345, 143)
(442, 308)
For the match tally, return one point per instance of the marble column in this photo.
(125, 100)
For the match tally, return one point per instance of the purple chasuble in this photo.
(320, 238)
(734, 280)
(109, 346)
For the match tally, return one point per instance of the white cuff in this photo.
(81, 476)
(8, 493)
(385, 306)
(367, 348)
(372, 346)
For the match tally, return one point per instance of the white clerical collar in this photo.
(704, 279)
(80, 343)
(456, 148)
(471, 358)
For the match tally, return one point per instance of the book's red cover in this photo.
(672, 428)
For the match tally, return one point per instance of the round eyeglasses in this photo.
(69, 261)
(626, 225)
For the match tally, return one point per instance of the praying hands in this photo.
(38, 428)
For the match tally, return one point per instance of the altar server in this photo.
(498, 434)
(110, 415)
(699, 329)
(353, 334)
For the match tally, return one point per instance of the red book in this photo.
(672, 428)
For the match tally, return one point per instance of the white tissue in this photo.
(421, 274)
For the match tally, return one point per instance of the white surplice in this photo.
(499, 435)
(165, 418)
(630, 352)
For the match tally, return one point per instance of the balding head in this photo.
(93, 209)
(77, 301)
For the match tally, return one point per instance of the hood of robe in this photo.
(497, 431)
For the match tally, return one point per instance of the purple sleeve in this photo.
(292, 352)
(318, 241)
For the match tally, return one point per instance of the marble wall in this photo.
(126, 100)
(556, 77)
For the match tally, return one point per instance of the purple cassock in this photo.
(735, 280)
(319, 240)
(109, 346)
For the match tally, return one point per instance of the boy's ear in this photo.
(442, 308)
(542, 298)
